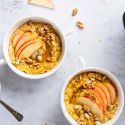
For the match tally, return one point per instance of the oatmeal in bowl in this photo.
(36, 47)
(92, 97)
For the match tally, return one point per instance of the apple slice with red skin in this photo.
(26, 38)
(106, 91)
(112, 92)
(25, 51)
(29, 50)
(99, 100)
(95, 109)
(102, 95)
(17, 38)
(23, 47)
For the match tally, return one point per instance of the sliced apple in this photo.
(99, 99)
(112, 92)
(23, 47)
(17, 38)
(102, 95)
(29, 48)
(93, 106)
(26, 38)
(44, 3)
(106, 91)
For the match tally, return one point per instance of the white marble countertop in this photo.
(101, 43)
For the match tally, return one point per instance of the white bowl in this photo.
(116, 84)
(6, 45)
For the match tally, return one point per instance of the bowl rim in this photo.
(110, 76)
(18, 23)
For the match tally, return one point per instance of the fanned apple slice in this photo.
(25, 46)
(112, 92)
(106, 91)
(26, 38)
(17, 38)
(30, 49)
(93, 106)
(44, 3)
(103, 96)
(99, 100)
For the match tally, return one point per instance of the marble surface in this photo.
(101, 43)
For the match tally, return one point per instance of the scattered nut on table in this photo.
(46, 123)
(79, 24)
(74, 12)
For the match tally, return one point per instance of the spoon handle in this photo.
(124, 19)
(17, 115)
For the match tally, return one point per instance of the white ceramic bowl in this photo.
(6, 45)
(116, 84)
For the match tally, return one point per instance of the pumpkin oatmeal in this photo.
(35, 48)
(91, 98)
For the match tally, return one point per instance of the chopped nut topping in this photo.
(92, 79)
(89, 82)
(74, 12)
(39, 58)
(79, 24)
(81, 112)
(103, 78)
(98, 123)
(87, 115)
(78, 107)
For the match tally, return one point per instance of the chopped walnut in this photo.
(103, 78)
(42, 31)
(79, 24)
(46, 123)
(77, 107)
(87, 116)
(32, 29)
(39, 58)
(74, 12)
(49, 59)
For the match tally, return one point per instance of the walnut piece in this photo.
(79, 24)
(74, 12)
(46, 123)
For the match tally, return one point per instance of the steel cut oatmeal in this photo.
(35, 48)
(91, 98)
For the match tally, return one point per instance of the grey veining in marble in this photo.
(101, 43)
